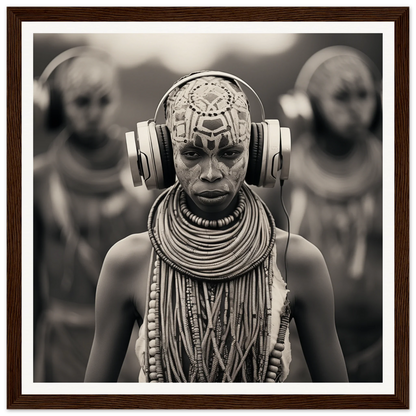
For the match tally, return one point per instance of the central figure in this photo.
(210, 130)
(204, 283)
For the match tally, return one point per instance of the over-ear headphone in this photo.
(296, 106)
(151, 155)
(47, 93)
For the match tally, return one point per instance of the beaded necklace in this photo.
(201, 222)
(210, 294)
(338, 179)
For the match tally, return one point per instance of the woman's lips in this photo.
(212, 197)
(212, 194)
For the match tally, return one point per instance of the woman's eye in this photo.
(105, 100)
(231, 154)
(342, 96)
(362, 94)
(191, 155)
(82, 101)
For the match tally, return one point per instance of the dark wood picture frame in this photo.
(15, 16)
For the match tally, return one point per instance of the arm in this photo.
(115, 310)
(313, 312)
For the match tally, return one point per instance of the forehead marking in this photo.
(212, 124)
(198, 141)
(224, 141)
(211, 133)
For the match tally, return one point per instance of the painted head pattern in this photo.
(345, 90)
(210, 107)
(87, 74)
(350, 69)
(210, 117)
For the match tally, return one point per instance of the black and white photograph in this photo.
(208, 203)
(323, 89)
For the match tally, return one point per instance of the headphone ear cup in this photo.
(254, 167)
(166, 155)
(285, 149)
(55, 110)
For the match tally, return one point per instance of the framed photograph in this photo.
(272, 52)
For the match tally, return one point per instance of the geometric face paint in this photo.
(210, 125)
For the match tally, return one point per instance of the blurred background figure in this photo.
(270, 63)
(84, 201)
(334, 192)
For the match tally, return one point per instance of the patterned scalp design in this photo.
(211, 108)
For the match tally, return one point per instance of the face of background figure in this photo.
(345, 95)
(89, 94)
(210, 127)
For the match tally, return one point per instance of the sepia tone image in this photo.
(208, 208)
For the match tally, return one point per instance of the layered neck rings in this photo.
(209, 293)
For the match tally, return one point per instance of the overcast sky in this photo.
(199, 50)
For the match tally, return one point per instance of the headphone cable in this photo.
(288, 227)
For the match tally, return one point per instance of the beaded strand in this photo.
(155, 362)
(275, 369)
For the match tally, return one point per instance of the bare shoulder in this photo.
(124, 273)
(41, 172)
(300, 250)
(304, 260)
(40, 163)
(41, 168)
(128, 253)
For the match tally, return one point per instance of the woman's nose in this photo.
(94, 112)
(210, 170)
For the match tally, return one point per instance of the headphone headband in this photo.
(205, 74)
(151, 154)
(320, 57)
(76, 52)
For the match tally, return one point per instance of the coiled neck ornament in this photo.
(209, 294)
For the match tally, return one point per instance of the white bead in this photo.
(276, 354)
(272, 368)
(274, 361)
